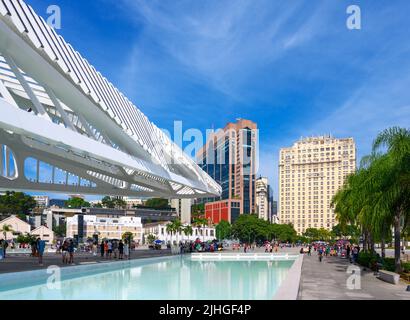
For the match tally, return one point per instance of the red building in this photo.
(227, 210)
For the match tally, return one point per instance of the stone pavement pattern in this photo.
(327, 280)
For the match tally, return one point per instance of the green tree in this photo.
(151, 238)
(283, 232)
(16, 203)
(249, 228)
(120, 203)
(4, 229)
(312, 234)
(188, 230)
(394, 181)
(108, 202)
(157, 203)
(127, 236)
(200, 223)
(111, 203)
(377, 196)
(223, 230)
(26, 238)
(177, 227)
(60, 230)
(197, 211)
(76, 203)
(170, 228)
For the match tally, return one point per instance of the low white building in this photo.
(105, 227)
(16, 225)
(159, 230)
(44, 233)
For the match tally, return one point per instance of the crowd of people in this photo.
(199, 246)
(114, 249)
(337, 249)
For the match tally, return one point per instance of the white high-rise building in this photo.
(262, 198)
(183, 209)
(42, 201)
(310, 173)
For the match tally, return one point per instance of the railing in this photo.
(242, 256)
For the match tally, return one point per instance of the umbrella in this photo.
(158, 241)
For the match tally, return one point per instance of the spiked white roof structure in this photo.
(65, 128)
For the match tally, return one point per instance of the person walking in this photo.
(320, 253)
(310, 250)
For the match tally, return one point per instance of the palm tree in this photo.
(6, 228)
(377, 196)
(200, 223)
(177, 227)
(394, 180)
(170, 229)
(188, 230)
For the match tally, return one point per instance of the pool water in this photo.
(174, 278)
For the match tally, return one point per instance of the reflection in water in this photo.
(177, 278)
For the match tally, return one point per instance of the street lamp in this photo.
(129, 244)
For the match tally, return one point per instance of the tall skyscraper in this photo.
(262, 198)
(310, 173)
(230, 157)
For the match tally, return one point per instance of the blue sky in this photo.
(291, 66)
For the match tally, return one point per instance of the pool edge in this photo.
(289, 288)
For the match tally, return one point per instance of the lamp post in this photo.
(129, 241)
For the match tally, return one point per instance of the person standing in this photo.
(106, 249)
(121, 250)
(95, 248)
(71, 252)
(102, 248)
(126, 249)
(64, 251)
(40, 244)
(109, 249)
(115, 248)
(4, 246)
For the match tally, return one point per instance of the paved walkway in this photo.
(23, 262)
(327, 280)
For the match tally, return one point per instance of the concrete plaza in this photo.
(328, 280)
